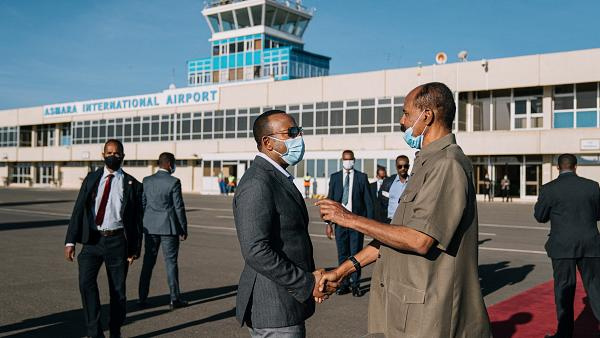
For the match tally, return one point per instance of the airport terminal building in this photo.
(514, 115)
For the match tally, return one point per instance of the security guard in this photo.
(425, 282)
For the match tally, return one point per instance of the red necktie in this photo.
(104, 200)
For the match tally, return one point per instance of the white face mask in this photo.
(348, 164)
(173, 168)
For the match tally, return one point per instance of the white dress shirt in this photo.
(351, 183)
(112, 216)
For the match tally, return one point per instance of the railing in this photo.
(294, 4)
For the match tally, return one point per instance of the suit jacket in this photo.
(362, 204)
(275, 288)
(82, 228)
(379, 209)
(385, 186)
(572, 205)
(164, 211)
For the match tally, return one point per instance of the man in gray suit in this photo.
(279, 285)
(165, 224)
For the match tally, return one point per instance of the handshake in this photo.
(326, 283)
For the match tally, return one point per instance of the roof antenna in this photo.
(172, 85)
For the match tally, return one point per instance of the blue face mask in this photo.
(294, 152)
(414, 141)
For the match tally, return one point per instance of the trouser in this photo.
(222, 187)
(112, 251)
(349, 242)
(506, 194)
(170, 249)
(306, 192)
(296, 331)
(564, 289)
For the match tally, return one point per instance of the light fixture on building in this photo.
(462, 55)
(484, 64)
(441, 58)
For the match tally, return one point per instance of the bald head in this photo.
(436, 97)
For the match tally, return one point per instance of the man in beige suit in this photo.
(425, 282)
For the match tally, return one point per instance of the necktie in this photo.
(346, 189)
(104, 200)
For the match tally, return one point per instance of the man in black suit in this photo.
(279, 285)
(351, 188)
(107, 220)
(393, 188)
(379, 209)
(572, 205)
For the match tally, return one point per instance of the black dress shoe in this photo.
(342, 290)
(176, 304)
(356, 292)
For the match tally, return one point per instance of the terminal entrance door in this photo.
(513, 171)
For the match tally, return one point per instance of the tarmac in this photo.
(40, 297)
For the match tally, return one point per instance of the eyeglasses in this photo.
(405, 166)
(292, 132)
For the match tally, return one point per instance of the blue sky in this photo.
(59, 51)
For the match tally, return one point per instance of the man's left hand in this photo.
(334, 212)
(130, 259)
(182, 237)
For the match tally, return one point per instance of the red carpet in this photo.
(532, 314)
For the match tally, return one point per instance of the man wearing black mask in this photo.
(107, 220)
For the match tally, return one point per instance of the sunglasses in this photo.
(405, 166)
(292, 132)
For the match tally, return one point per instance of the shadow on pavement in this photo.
(493, 277)
(507, 328)
(14, 204)
(70, 323)
(218, 316)
(33, 224)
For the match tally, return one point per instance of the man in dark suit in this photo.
(279, 281)
(107, 220)
(572, 205)
(351, 188)
(165, 224)
(393, 188)
(379, 211)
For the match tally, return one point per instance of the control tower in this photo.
(256, 39)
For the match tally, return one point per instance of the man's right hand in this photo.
(322, 290)
(330, 278)
(69, 253)
(329, 231)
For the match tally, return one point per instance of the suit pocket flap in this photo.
(407, 294)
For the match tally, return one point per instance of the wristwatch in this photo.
(355, 263)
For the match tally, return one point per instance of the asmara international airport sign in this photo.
(167, 98)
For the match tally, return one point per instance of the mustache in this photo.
(403, 128)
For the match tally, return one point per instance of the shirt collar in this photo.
(437, 145)
(117, 173)
(398, 179)
(165, 170)
(275, 164)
